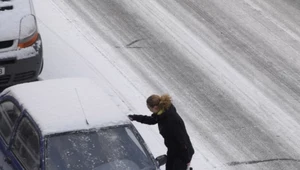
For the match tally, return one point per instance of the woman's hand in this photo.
(131, 117)
(188, 166)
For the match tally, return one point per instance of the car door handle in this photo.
(7, 160)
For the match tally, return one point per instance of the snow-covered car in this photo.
(21, 52)
(71, 123)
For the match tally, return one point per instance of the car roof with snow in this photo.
(11, 13)
(70, 104)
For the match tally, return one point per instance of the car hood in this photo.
(11, 13)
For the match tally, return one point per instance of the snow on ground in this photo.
(68, 53)
(254, 44)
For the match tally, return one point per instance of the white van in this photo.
(21, 52)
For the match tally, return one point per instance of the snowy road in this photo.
(232, 68)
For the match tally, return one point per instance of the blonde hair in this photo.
(163, 101)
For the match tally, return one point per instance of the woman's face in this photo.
(153, 109)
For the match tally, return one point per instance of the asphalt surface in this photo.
(231, 66)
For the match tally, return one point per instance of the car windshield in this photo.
(115, 148)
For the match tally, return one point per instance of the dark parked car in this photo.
(71, 124)
(21, 52)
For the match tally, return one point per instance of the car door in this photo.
(26, 145)
(9, 115)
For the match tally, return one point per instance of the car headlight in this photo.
(28, 31)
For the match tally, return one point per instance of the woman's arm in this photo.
(150, 120)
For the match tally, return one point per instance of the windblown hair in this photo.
(163, 101)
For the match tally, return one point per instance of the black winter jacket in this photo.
(173, 130)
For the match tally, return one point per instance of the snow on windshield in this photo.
(106, 149)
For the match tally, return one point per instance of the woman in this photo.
(172, 129)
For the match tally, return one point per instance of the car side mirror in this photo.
(161, 160)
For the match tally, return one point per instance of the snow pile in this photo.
(23, 53)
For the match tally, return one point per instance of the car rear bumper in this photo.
(21, 66)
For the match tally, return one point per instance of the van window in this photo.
(26, 145)
(9, 114)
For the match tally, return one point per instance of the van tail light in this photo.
(28, 31)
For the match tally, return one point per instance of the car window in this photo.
(8, 117)
(26, 145)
